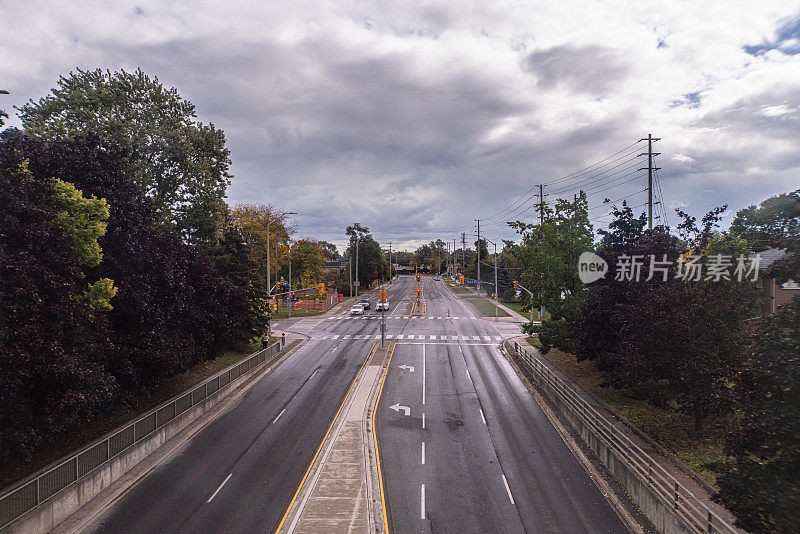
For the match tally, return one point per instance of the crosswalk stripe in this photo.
(335, 337)
(411, 336)
(487, 338)
(498, 338)
(399, 336)
(454, 337)
(476, 338)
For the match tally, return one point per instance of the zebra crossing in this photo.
(411, 337)
(377, 317)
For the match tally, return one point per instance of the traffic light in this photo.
(382, 295)
(419, 292)
(461, 279)
(417, 278)
(321, 288)
(515, 284)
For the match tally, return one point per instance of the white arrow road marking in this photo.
(219, 488)
(407, 367)
(397, 408)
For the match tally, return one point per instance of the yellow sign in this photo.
(321, 288)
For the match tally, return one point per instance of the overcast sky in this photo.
(415, 118)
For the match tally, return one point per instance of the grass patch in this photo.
(169, 387)
(486, 307)
(534, 342)
(460, 290)
(672, 429)
(283, 313)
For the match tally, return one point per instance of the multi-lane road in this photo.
(464, 447)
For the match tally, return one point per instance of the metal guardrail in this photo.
(673, 494)
(18, 499)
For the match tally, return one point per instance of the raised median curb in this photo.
(53, 496)
(337, 492)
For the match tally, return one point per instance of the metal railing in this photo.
(672, 493)
(29, 493)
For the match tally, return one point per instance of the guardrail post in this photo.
(649, 471)
(710, 519)
(676, 495)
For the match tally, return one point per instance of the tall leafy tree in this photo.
(180, 164)
(308, 262)
(763, 226)
(759, 483)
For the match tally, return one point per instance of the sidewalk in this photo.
(514, 317)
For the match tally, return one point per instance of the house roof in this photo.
(770, 256)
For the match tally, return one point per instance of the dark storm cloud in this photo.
(591, 69)
(415, 120)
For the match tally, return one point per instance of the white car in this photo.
(382, 306)
(357, 309)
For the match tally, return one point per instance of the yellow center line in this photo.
(375, 440)
(314, 459)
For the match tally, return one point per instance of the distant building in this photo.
(335, 265)
(775, 294)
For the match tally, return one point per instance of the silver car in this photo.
(357, 309)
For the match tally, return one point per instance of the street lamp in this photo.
(496, 289)
(276, 252)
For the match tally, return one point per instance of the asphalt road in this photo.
(475, 452)
(511, 473)
(240, 472)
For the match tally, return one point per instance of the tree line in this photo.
(121, 264)
(700, 345)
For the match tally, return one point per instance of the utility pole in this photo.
(390, 263)
(540, 204)
(496, 289)
(650, 168)
(357, 281)
(350, 273)
(291, 303)
(479, 254)
(463, 249)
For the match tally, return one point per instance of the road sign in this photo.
(382, 294)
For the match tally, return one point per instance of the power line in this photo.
(563, 178)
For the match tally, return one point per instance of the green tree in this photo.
(759, 483)
(308, 262)
(763, 226)
(180, 164)
(548, 258)
(367, 251)
(81, 220)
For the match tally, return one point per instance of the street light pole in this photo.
(496, 289)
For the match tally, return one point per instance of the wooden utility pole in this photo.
(650, 168)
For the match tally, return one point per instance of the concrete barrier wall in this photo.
(659, 513)
(668, 505)
(60, 506)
